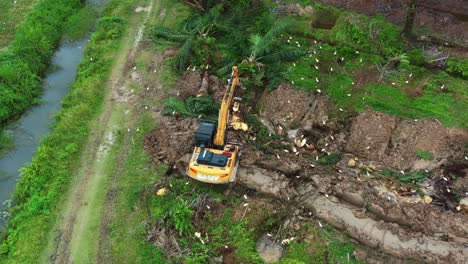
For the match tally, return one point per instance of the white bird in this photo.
(316, 79)
(331, 68)
(316, 67)
(319, 91)
(316, 60)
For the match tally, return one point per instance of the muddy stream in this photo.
(36, 123)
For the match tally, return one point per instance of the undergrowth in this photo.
(45, 179)
(25, 60)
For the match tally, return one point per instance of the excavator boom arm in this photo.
(224, 110)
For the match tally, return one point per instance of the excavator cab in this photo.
(205, 134)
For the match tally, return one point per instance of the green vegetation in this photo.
(6, 143)
(26, 58)
(80, 23)
(13, 12)
(458, 67)
(202, 107)
(331, 159)
(410, 180)
(45, 179)
(137, 176)
(425, 155)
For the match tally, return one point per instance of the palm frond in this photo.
(182, 56)
(168, 34)
(284, 55)
(264, 45)
(203, 106)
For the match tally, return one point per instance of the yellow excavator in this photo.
(214, 160)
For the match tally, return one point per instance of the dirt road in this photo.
(81, 234)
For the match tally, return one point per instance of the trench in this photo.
(37, 122)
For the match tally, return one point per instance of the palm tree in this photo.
(198, 29)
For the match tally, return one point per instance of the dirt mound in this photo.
(403, 143)
(285, 106)
(188, 84)
(216, 88)
(171, 140)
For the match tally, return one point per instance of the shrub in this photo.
(181, 217)
(458, 67)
